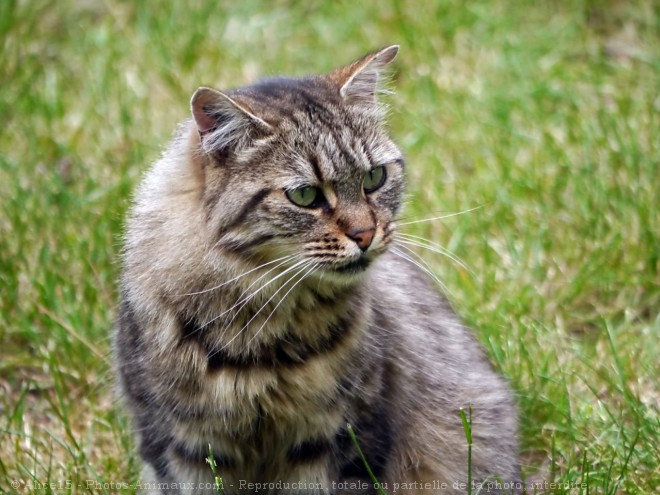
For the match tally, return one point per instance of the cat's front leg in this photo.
(317, 473)
(309, 470)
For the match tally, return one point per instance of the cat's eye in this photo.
(374, 179)
(307, 196)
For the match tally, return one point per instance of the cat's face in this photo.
(302, 170)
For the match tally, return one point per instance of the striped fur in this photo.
(261, 328)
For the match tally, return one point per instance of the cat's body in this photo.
(261, 312)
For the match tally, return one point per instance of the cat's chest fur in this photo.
(274, 368)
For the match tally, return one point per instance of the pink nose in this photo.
(362, 237)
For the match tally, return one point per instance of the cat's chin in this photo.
(346, 272)
(354, 267)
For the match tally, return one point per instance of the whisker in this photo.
(305, 275)
(238, 276)
(433, 247)
(261, 308)
(449, 215)
(318, 285)
(426, 268)
(244, 301)
(247, 299)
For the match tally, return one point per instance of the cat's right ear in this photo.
(359, 82)
(223, 122)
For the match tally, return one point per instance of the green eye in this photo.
(374, 179)
(305, 196)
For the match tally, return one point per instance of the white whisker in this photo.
(239, 276)
(426, 268)
(242, 302)
(449, 215)
(305, 275)
(418, 241)
(305, 266)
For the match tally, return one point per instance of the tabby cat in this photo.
(264, 307)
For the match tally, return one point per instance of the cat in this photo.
(263, 309)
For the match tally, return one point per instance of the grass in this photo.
(213, 465)
(546, 115)
(375, 482)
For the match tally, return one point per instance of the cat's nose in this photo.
(362, 237)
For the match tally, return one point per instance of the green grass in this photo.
(545, 114)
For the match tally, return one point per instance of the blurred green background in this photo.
(545, 115)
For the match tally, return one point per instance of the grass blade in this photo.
(377, 484)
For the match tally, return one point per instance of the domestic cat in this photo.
(263, 311)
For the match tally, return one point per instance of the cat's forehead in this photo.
(321, 136)
(279, 98)
(335, 154)
(307, 106)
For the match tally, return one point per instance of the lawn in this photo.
(539, 121)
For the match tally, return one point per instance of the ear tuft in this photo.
(222, 121)
(359, 82)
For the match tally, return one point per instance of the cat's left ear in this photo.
(224, 122)
(358, 82)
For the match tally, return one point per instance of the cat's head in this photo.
(302, 168)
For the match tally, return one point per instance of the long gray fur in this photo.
(259, 328)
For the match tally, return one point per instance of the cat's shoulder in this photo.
(400, 280)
